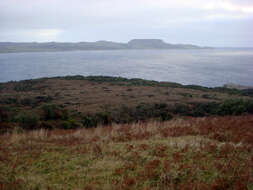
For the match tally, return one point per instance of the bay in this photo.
(206, 67)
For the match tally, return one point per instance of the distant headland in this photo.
(12, 47)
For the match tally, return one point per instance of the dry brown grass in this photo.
(185, 153)
(85, 96)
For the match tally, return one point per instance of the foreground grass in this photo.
(207, 153)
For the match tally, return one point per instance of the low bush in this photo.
(47, 125)
(27, 85)
(5, 127)
(89, 121)
(35, 101)
(53, 116)
(24, 86)
(196, 87)
(204, 109)
(186, 95)
(70, 124)
(123, 114)
(209, 96)
(2, 87)
(4, 115)
(27, 102)
(228, 107)
(227, 90)
(165, 116)
(44, 99)
(141, 112)
(27, 120)
(102, 118)
(247, 92)
(180, 109)
(52, 111)
(235, 107)
(7, 113)
(9, 100)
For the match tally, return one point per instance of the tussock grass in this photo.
(184, 153)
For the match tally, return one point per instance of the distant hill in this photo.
(237, 86)
(157, 44)
(11, 47)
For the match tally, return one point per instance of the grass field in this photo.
(93, 94)
(96, 133)
(184, 153)
(74, 102)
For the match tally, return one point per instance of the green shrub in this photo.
(180, 109)
(249, 107)
(228, 107)
(50, 112)
(47, 125)
(35, 101)
(8, 113)
(141, 112)
(186, 95)
(4, 115)
(26, 102)
(89, 121)
(54, 112)
(23, 86)
(165, 116)
(104, 118)
(210, 96)
(160, 106)
(70, 124)
(2, 87)
(9, 100)
(27, 120)
(44, 99)
(28, 85)
(234, 107)
(123, 114)
(204, 109)
(196, 87)
(247, 92)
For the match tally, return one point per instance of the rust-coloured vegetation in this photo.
(185, 153)
(108, 133)
(76, 102)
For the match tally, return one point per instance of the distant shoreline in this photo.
(58, 51)
(13, 47)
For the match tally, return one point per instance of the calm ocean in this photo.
(213, 67)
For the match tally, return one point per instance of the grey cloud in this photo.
(242, 2)
(91, 20)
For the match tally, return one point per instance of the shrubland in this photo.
(97, 133)
(184, 153)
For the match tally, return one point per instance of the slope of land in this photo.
(10, 47)
(202, 154)
(76, 101)
(98, 132)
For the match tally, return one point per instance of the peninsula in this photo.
(12, 47)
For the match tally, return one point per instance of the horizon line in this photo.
(125, 42)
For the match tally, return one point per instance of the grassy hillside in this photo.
(74, 102)
(97, 133)
(204, 153)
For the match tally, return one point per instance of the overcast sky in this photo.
(211, 23)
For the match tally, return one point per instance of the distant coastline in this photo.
(13, 47)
